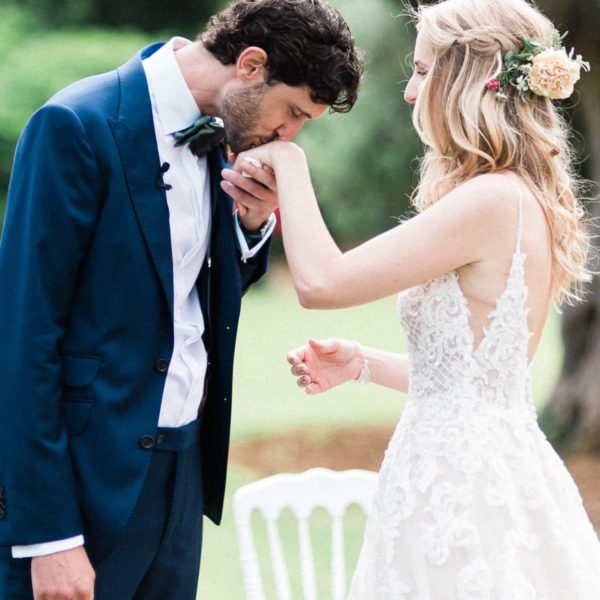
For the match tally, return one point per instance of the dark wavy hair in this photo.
(308, 43)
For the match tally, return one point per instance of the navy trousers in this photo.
(158, 555)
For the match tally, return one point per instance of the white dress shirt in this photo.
(173, 109)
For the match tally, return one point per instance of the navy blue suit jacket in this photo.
(86, 305)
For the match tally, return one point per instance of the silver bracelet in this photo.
(365, 373)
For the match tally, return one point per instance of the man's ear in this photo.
(251, 65)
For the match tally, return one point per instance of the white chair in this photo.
(335, 491)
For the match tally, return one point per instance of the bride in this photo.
(472, 501)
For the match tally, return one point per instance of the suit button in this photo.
(146, 442)
(161, 365)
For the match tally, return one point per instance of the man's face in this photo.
(261, 113)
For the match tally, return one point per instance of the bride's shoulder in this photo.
(489, 196)
(488, 187)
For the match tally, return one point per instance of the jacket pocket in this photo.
(79, 372)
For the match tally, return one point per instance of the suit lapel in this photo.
(133, 130)
(215, 165)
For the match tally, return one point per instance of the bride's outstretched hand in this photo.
(321, 365)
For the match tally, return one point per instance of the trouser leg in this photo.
(158, 557)
(175, 569)
(120, 573)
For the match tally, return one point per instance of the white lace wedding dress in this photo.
(472, 501)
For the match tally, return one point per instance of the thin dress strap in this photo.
(520, 222)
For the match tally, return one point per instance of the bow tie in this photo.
(203, 136)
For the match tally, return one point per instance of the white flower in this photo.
(554, 74)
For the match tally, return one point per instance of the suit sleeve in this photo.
(253, 267)
(246, 250)
(52, 208)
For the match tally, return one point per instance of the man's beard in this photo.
(241, 110)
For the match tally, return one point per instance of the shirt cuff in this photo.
(47, 547)
(243, 243)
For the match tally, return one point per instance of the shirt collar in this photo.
(174, 104)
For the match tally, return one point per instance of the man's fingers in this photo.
(251, 176)
(246, 184)
(248, 190)
(241, 196)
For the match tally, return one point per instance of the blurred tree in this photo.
(186, 17)
(35, 62)
(363, 163)
(571, 418)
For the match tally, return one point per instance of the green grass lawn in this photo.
(267, 401)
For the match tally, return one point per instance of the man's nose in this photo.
(286, 131)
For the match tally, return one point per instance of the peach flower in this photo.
(553, 74)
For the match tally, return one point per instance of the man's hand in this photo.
(254, 192)
(64, 575)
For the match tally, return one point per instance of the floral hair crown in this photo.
(534, 69)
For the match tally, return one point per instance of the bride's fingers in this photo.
(293, 357)
(304, 381)
(297, 355)
(311, 389)
(264, 174)
(299, 369)
(327, 346)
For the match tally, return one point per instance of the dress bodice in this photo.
(443, 358)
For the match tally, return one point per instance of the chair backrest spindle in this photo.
(282, 580)
(338, 562)
(307, 561)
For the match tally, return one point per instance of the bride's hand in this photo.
(321, 365)
(265, 155)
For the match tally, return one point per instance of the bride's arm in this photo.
(322, 365)
(459, 229)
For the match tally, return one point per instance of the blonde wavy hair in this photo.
(468, 132)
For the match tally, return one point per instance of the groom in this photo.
(122, 266)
